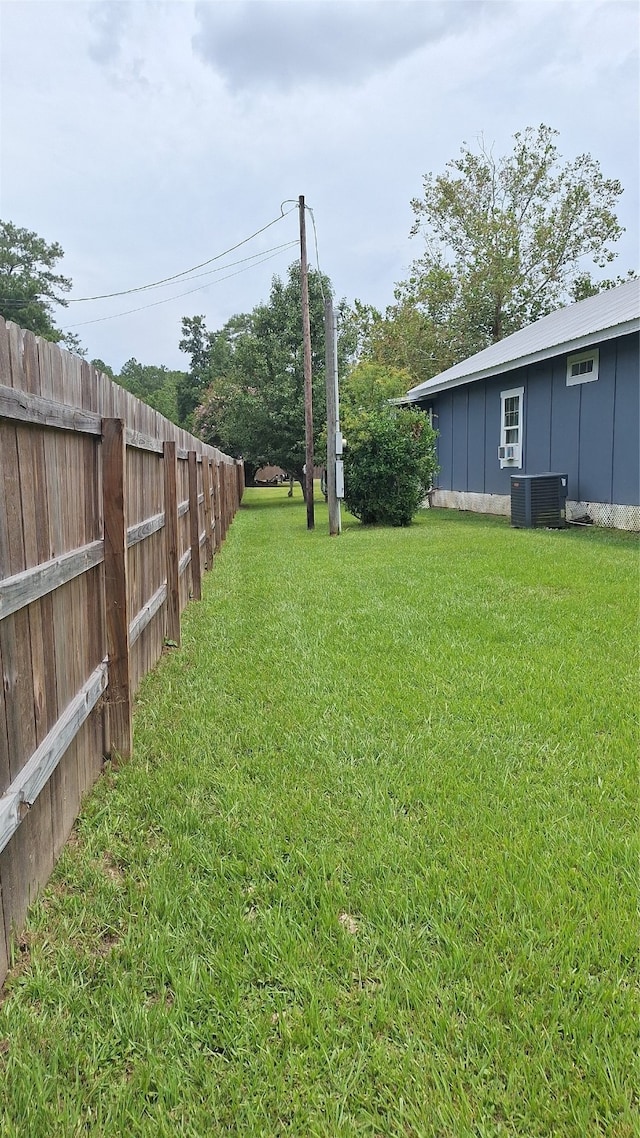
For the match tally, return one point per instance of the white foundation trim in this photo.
(476, 503)
(606, 514)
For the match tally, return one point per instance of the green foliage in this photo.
(211, 357)
(389, 465)
(513, 232)
(250, 376)
(104, 368)
(29, 286)
(369, 386)
(584, 285)
(507, 240)
(155, 385)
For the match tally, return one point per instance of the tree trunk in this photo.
(250, 473)
(300, 477)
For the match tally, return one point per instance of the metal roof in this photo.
(613, 312)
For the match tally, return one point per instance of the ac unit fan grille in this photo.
(545, 502)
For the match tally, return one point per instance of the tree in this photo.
(513, 234)
(507, 240)
(211, 357)
(154, 385)
(369, 386)
(28, 284)
(389, 465)
(254, 402)
(104, 368)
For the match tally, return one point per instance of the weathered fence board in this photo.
(108, 516)
(32, 584)
(34, 776)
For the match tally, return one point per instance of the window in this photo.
(583, 367)
(511, 427)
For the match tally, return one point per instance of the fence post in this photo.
(171, 540)
(194, 526)
(208, 528)
(225, 500)
(118, 695)
(217, 516)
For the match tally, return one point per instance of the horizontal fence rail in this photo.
(109, 515)
(20, 590)
(35, 774)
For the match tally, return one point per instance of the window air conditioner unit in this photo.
(539, 501)
(509, 451)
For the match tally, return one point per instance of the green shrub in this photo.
(389, 465)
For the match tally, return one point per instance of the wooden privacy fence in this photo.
(109, 514)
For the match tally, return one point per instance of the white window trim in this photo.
(578, 358)
(512, 463)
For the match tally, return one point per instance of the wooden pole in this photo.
(114, 459)
(331, 369)
(308, 389)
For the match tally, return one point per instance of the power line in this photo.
(167, 299)
(22, 302)
(315, 239)
(185, 272)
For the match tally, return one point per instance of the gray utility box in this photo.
(539, 500)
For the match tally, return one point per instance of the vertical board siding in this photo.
(62, 489)
(565, 427)
(537, 422)
(475, 459)
(588, 431)
(625, 467)
(460, 439)
(444, 424)
(595, 427)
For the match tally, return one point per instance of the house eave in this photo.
(418, 394)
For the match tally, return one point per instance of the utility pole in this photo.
(308, 396)
(334, 438)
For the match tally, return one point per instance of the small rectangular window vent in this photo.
(583, 367)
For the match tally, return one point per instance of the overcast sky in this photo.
(147, 138)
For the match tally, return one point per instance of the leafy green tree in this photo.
(254, 402)
(101, 366)
(507, 240)
(584, 285)
(389, 465)
(369, 386)
(211, 356)
(513, 233)
(153, 384)
(29, 286)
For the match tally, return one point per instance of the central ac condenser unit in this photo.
(539, 500)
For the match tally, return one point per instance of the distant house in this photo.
(561, 395)
(269, 476)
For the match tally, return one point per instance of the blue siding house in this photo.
(561, 395)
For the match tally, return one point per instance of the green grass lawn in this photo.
(372, 871)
